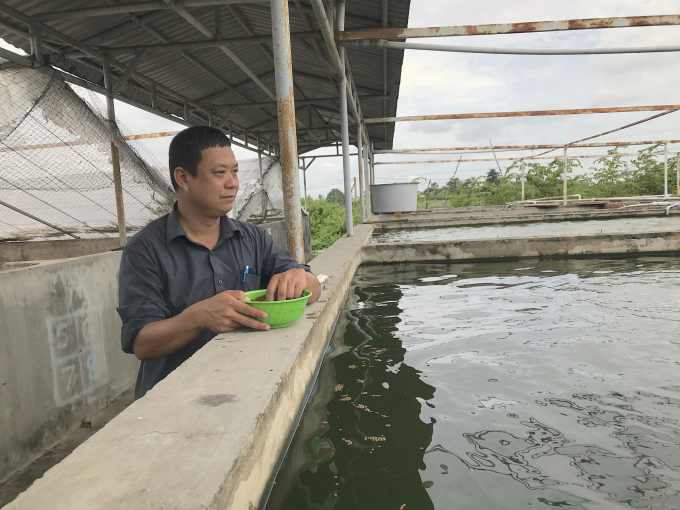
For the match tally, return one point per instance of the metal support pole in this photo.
(264, 191)
(285, 107)
(677, 170)
(186, 111)
(360, 151)
(115, 160)
(344, 126)
(304, 179)
(38, 46)
(522, 180)
(372, 155)
(118, 185)
(564, 179)
(367, 178)
(665, 170)
(154, 97)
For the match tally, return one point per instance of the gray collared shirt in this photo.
(162, 272)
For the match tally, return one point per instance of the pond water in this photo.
(545, 228)
(505, 385)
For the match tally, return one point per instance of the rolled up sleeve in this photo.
(141, 298)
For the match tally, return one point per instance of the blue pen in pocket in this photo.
(245, 272)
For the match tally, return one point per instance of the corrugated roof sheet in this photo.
(206, 75)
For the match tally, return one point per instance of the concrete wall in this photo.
(66, 249)
(53, 250)
(60, 356)
(463, 216)
(523, 247)
(210, 434)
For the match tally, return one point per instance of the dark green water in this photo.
(497, 386)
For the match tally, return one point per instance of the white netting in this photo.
(252, 194)
(55, 164)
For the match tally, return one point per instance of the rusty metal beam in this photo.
(285, 99)
(535, 113)
(508, 28)
(522, 147)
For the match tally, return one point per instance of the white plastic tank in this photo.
(391, 198)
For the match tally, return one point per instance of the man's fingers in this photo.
(251, 323)
(238, 294)
(282, 291)
(271, 289)
(299, 287)
(244, 309)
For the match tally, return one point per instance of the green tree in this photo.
(336, 196)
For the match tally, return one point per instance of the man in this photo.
(182, 276)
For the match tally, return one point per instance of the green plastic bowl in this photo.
(280, 314)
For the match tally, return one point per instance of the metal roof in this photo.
(207, 78)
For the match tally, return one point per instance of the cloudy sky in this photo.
(434, 83)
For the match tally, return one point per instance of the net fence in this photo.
(56, 174)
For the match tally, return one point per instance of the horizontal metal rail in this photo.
(16, 209)
(193, 45)
(523, 147)
(381, 43)
(525, 158)
(535, 113)
(508, 28)
(108, 10)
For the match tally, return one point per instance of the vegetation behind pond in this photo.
(608, 177)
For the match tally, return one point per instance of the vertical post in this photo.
(231, 133)
(665, 170)
(115, 159)
(118, 185)
(522, 180)
(264, 191)
(354, 189)
(186, 111)
(344, 125)
(677, 170)
(564, 179)
(367, 178)
(285, 107)
(154, 97)
(372, 156)
(38, 46)
(304, 179)
(360, 150)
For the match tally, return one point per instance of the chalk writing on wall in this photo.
(77, 351)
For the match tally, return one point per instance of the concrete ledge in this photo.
(208, 436)
(500, 215)
(523, 247)
(22, 251)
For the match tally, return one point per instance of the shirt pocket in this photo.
(252, 282)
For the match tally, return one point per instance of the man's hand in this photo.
(288, 285)
(224, 313)
(220, 314)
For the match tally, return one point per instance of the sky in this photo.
(439, 83)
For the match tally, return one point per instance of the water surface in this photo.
(497, 386)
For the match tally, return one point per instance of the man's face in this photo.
(214, 188)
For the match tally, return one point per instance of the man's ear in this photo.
(181, 178)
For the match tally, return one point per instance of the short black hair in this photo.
(187, 146)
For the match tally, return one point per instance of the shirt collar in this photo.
(175, 229)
